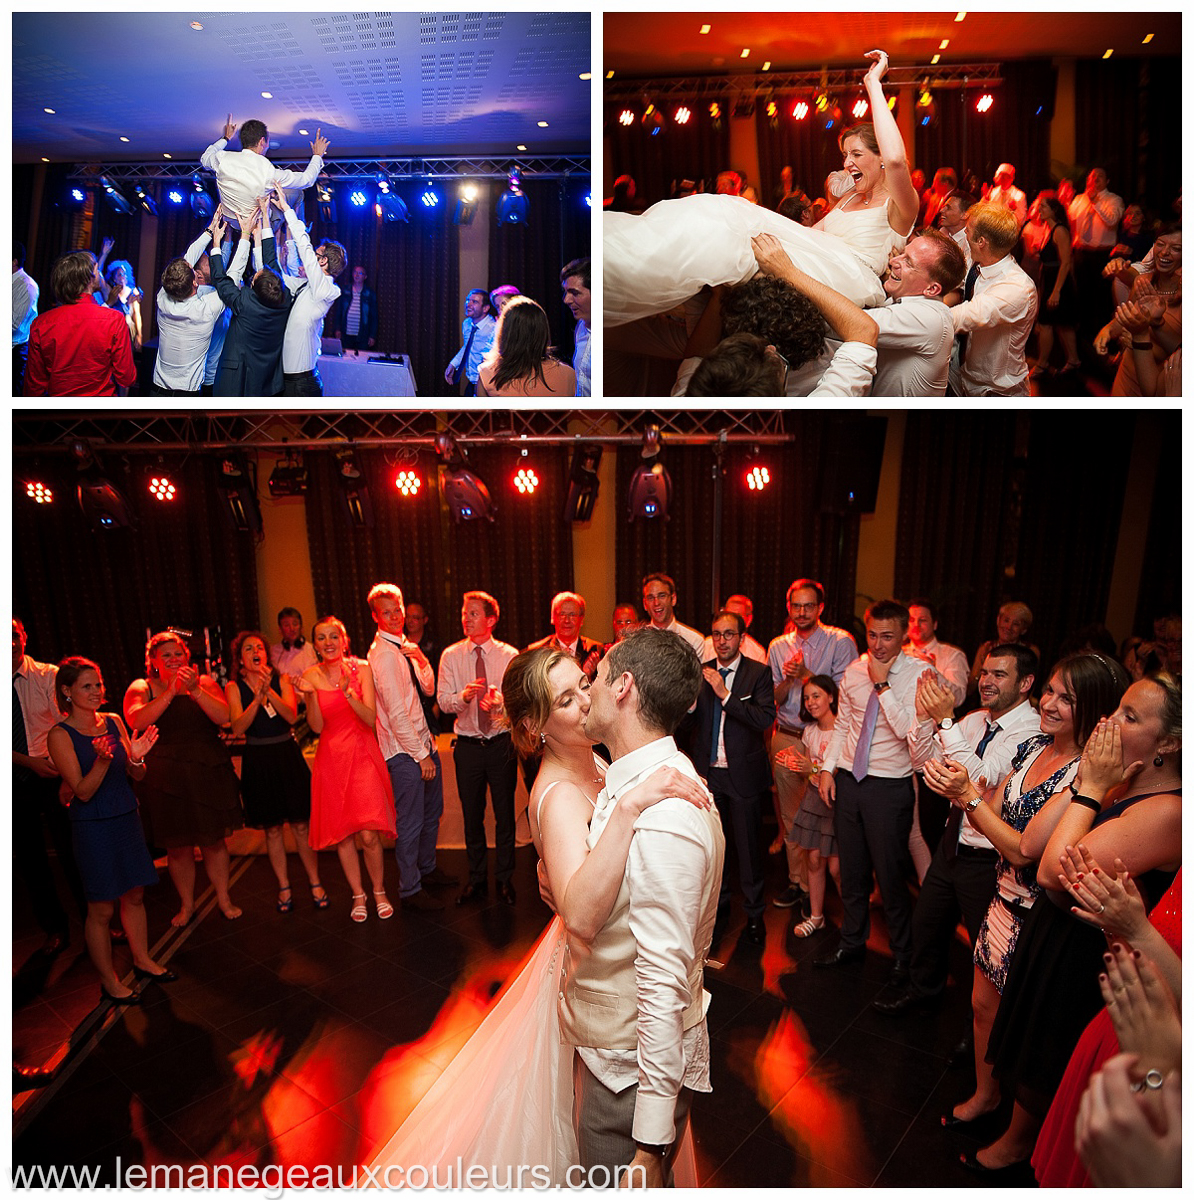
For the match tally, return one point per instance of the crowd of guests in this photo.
(1069, 289)
(228, 326)
(1042, 809)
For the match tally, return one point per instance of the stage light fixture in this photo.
(526, 481)
(408, 482)
(430, 197)
(512, 206)
(76, 197)
(757, 478)
(683, 115)
(583, 484)
(800, 110)
(147, 201)
(744, 106)
(650, 489)
(831, 117)
(653, 121)
(715, 114)
(174, 196)
(238, 487)
(353, 488)
(358, 198)
(38, 492)
(325, 198)
(466, 494)
(101, 501)
(160, 487)
(288, 478)
(860, 108)
(201, 205)
(390, 207)
(115, 197)
(626, 117)
(821, 101)
(588, 199)
(984, 102)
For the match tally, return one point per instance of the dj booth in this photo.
(364, 373)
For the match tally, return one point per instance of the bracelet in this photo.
(1086, 802)
(1152, 1080)
(136, 762)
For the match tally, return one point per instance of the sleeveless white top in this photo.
(867, 232)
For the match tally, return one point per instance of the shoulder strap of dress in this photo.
(542, 797)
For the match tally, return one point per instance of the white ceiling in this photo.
(377, 83)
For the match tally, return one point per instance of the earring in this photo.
(1159, 761)
(543, 739)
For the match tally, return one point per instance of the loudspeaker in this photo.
(851, 466)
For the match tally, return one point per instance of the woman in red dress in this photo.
(350, 787)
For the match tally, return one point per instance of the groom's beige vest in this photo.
(598, 1001)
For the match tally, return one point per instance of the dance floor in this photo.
(306, 1039)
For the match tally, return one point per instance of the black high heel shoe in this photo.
(121, 1001)
(162, 976)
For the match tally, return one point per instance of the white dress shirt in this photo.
(293, 661)
(34, 682)
(694, 638)
(998, 319)
(302, 339)
(1095, 226)
(963, 245)
(486, 328)
(851, 372)
(900, 743)
(828, 650)
(731, 672)
(1010, 197)
(24, 305)
(989, 772)
(748, 646)
(401, 723)
(671, 849)
(582, 360)
(916, 339)
(244, 177)
(458, 668)
(950, 663)
(185, 327)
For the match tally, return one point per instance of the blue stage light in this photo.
(78, 195)
(588, 199)
(358, 198)
(429, 198)
(174, 197)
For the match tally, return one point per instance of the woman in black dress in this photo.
(275, 782)
(1058, 308)
(95, 758)
(190, 794)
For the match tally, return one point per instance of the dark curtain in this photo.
(1128, 122)
(768, 539)
(955, 499)
(809, 150)
(1012, 131)
(1073, 502)
(95, 592)
(1161, 575)
(696, 151)
(530, 256)
(522, 559)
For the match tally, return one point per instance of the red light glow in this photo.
(526, 481)
(39, 493)
(408, 483)
(757, 478)
(160, 488)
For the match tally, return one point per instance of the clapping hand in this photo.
(1110, 902)
(470, 690)
(949, 779)
(793, 667)
(144, 741)
(1149, 299)
(302, 684)
(187, 679)
(714, 680)
(1133, 317)
(932, 699)
(1117, 268)
(1142, 1010)
(104, 746)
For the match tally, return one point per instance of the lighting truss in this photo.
(398, 169)
(41, 433)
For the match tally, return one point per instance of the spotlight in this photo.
(115, 197)
(715, 114)
(174, 196)
(926, 113)
(626, 117)
(38, 492)
(757, 478)
(466, 205)
(408, 482)
(984, 102)
(744, 106)
(239, 489)
(466, 494)
(358, 198)
(201, 205)
(326, 200)
(583, 483)
(860, 108)
(389, 206)
(683, 115)
(650, 486)
(429, 198)
(147, 202)
(512, 205)
(526, 481)
(160, 487)
(383, 182)
(288, 478)
(76, 197)
(353, 488)
(831, 116)
(588, 199)
(653, 121)
(800, 110)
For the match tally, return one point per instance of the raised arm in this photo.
(304, 179)
(905, 203)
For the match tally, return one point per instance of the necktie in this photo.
(718, 712)
(967, 294)
(953, 827)
(414, 678)
(472, 333)
(865, 736)
(483, 718)
(20, 740)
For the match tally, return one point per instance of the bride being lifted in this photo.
(657, 260)
(504, 1102)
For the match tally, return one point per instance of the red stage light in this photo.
(626, 117)
(984, 102)
(38, 492)
(800, 110)
(526, 481)
(408, 482)
(757, 478)
(683, 115)
(859, 109)
(160, 488)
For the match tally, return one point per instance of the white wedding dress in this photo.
(652, 262)
(505, 1100)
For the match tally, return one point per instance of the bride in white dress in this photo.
(652, 262)
(504, 1103)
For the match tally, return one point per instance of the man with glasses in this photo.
(659, 602)
(810, 649)
(735, 708)
(315, 291)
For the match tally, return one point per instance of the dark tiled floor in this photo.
(306, 1039)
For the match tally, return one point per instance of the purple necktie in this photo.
(483, 718)
(865, 736)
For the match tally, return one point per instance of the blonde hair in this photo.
(526, 693)
(160, 639)
(998, 224)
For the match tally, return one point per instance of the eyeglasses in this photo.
(724, 635)
(805, 607)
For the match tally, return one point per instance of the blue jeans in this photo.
(418, 805)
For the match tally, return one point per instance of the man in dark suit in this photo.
(734, 710)
(567, 619)
(251, 364)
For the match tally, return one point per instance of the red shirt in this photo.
(75, 349)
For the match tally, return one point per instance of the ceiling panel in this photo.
(376, 82)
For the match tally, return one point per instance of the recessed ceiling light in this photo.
(267, 95)
(706, 28)
(960, 17)
(1109, 53)
(935, 60)
(196, 24)
(542, 124)
(123, 138)
(304, 132)
(944, 44)
(746, 53)
(520, 147)
(167, 155)
(49, 110)
(767, 65)
(609, 74)
(45, 160)
(1148, 37)
(586, 75)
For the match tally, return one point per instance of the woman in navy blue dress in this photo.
(95, 757)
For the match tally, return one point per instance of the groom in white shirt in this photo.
(632, 1000)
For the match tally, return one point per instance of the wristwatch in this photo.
(971, 805)
(660, 1150)
(882, 685)
(946, 725)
